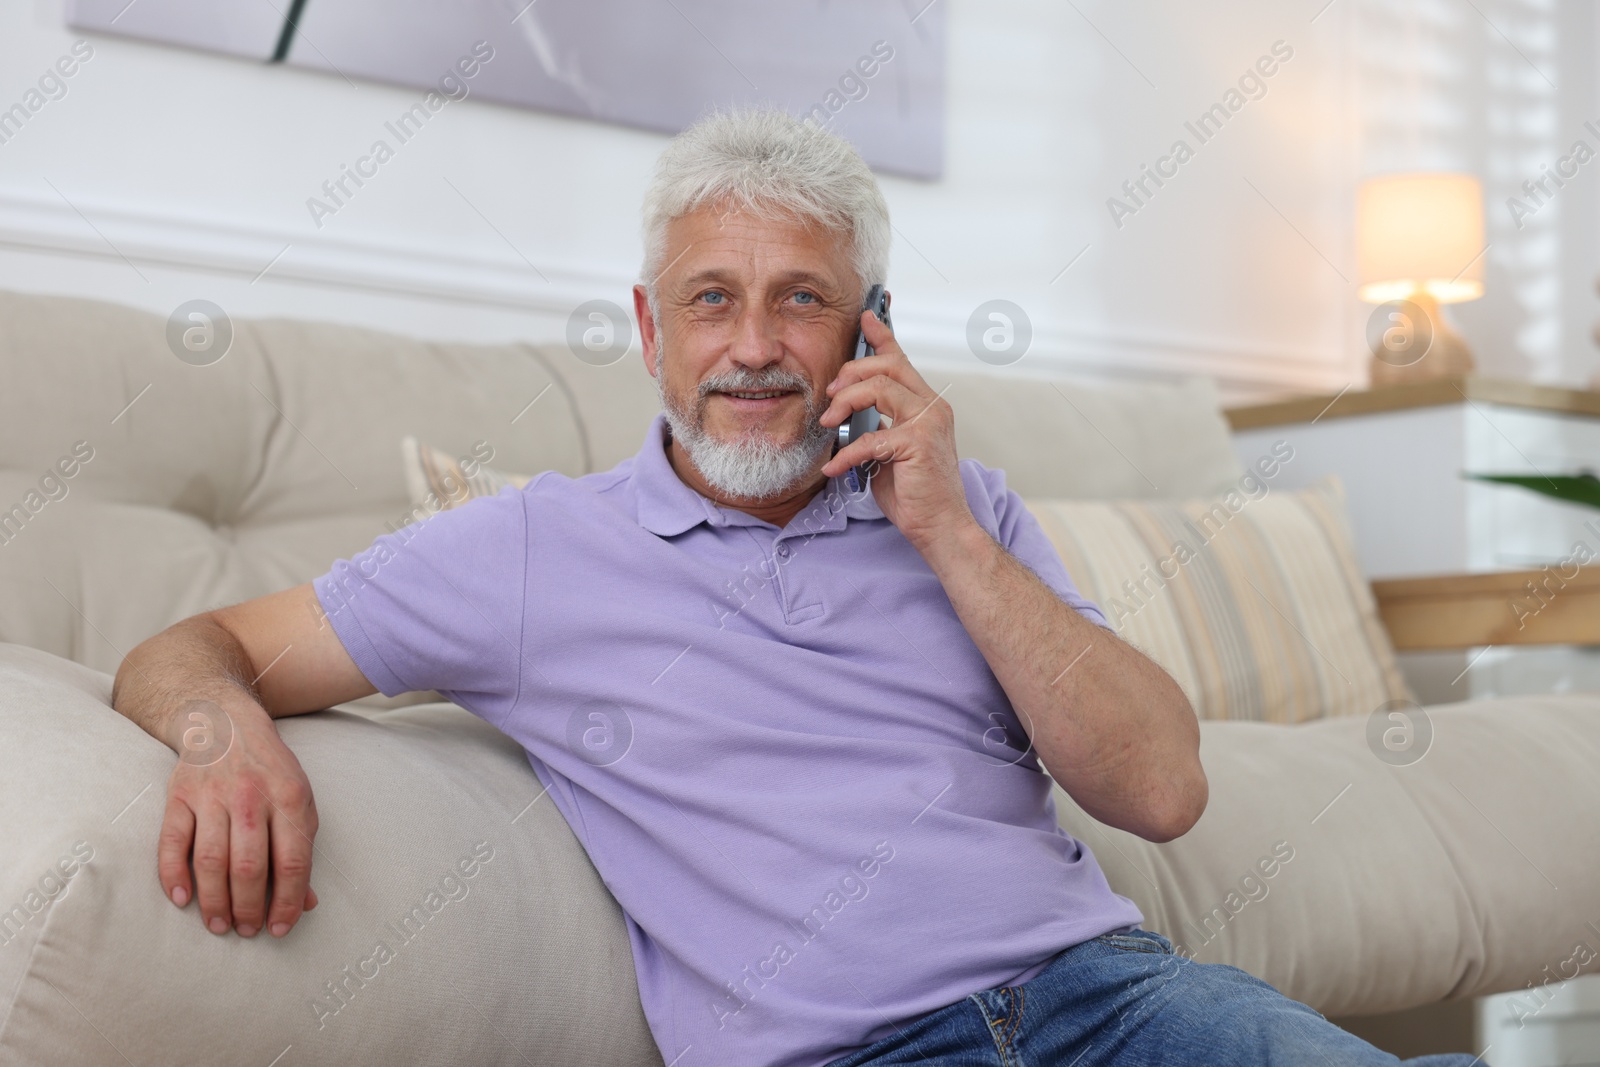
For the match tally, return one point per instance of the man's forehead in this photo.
(728, 246)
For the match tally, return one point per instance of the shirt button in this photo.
(783, 551)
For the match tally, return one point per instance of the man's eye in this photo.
(809, 298)
(712, 296)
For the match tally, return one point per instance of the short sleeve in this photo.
(438, 604)
(1013, 525)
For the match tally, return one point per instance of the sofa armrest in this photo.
(1358, 882)
(1544, 607)
(460, 920)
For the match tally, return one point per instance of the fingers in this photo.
(879, 335)
(872, 450)
(244, 825)
(172, 852)
(887, 358)
(247, 860)
(890, 364)
(291, 871)
(211, 867)
(889, 396)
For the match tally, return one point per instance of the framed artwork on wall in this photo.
(870, 70)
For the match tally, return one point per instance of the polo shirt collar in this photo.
(667, 507)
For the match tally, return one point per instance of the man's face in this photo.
(751, 306)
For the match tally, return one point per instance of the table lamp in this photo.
(1420, 244)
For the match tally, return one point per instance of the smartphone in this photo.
(866, 420)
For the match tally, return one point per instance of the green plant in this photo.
(1581, 488)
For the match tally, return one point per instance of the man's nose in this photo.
(755, 342)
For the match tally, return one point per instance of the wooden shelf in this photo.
(1433, 393)
(1467, 610)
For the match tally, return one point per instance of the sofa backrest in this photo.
(193, 487)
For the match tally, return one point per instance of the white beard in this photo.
(754, 467)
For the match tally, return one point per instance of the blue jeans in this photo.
(1127, 999)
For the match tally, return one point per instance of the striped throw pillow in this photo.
(437, 482)
(1257, 607)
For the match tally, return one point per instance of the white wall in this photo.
(166, 174)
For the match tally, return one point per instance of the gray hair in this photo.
(774, 166)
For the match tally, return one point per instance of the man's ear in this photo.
(647, 328)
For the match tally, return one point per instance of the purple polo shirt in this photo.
(784, 755)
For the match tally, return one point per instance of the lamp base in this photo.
(1447, 355)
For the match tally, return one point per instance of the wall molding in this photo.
(157, 241)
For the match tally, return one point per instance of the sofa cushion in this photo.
(212, 484)
(1255, 604)
(1058, 438)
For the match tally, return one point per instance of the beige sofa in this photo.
(1463, 874)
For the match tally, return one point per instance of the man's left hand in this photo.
(916, 477)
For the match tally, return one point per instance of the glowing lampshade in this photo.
(1420, 234)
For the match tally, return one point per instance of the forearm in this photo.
(196, 659)
(1109, 725)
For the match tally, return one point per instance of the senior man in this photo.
(820, 855)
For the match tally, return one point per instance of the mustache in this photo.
(747, 381)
